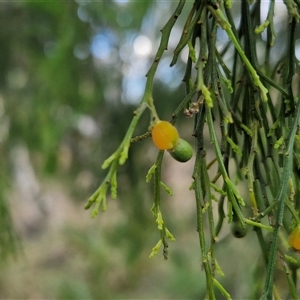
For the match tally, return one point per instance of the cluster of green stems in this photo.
(250, 129)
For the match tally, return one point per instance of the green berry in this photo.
(182, 151)
(237, 229)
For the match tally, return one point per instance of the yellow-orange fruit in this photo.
(164, 135)
(294, 238)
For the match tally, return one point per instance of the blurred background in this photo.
(71, 75)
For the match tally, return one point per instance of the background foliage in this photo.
(71, 74)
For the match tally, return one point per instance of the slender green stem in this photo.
(292, 288)
(217, 13)
(292, 210)
(221, 214)
(206, 184)
(273, 84)
(187, 30)
(250, 173)
(157, 180)
(166, 31)
(200, 228)
(232, 192)
(221, 289)
(260, 225)
(183, 104)
(165, 234)
(283, 192)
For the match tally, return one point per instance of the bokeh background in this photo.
(71, 75)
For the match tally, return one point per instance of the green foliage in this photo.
(66, 103)
(245, 110)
